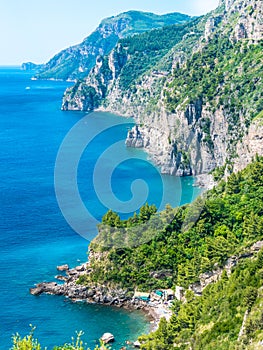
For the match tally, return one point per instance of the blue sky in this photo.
(35, 30)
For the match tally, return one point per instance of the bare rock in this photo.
(137, 344)
(256, 246)
(135, 138)
(36, 291)
(80, 268)
(107, 338)
(72, 272)
(61, 278)
(47, 287)
(63, 267)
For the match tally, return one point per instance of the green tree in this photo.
(250, 296)
(111, 219)
(146, 212)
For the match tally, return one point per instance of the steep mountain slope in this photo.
(176, 246)
(209, 248)
(76, 61)
(200, 102)
(117, 73)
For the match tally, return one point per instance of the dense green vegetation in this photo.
(140, 22)
(146, 49)
(181, 244)
(112, 219)
(175, 246)
(214, 320)
(223, 74)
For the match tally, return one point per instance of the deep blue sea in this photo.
(94, 171)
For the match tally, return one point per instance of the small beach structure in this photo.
(157, 295)
(145, 296)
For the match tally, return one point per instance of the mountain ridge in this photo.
(76, 61)
(192, 123)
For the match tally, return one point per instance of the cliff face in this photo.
(251, 145)
(197, 111)
(88, 95)
(249, 24)
(76, 61)
(178, 143)
(118, 76)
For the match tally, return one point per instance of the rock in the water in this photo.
(36, 291)
(63, 267)
(107, 338)
(61, 278)
(48, 288)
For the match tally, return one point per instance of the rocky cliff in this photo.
(76, 61)
(30, 66)
(196, 106)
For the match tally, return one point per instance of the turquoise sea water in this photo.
(35, 236)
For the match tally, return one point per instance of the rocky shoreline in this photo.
(154, 305)
(67, 286)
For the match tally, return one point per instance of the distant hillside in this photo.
(76, 61)
(31, 66)
(127, 62)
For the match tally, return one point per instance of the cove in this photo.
(35, 236)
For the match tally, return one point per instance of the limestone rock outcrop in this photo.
(197, 136)
(249, 23)
(251, 145)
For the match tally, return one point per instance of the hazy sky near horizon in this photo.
(35, 30)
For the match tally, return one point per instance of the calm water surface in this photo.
(35, 236)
